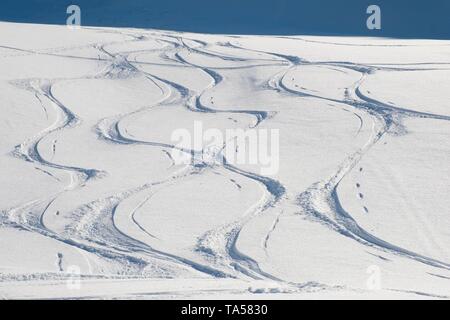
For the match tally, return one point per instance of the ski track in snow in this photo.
(94, 227)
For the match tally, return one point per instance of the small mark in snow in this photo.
(360, 169)
(236, 184)
(128, 133)
(361, 196)
(366, 210)
(378, 256)
(54, 146)
(60, 261)
(47, 173)
(358, 185)
(439, 276)
(272, 229)
(167, 153)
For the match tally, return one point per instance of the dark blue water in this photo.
(400, 18)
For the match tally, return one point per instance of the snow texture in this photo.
(92, 204)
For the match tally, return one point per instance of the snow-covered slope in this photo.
(94, 205)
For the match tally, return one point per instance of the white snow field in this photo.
(92, 204)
